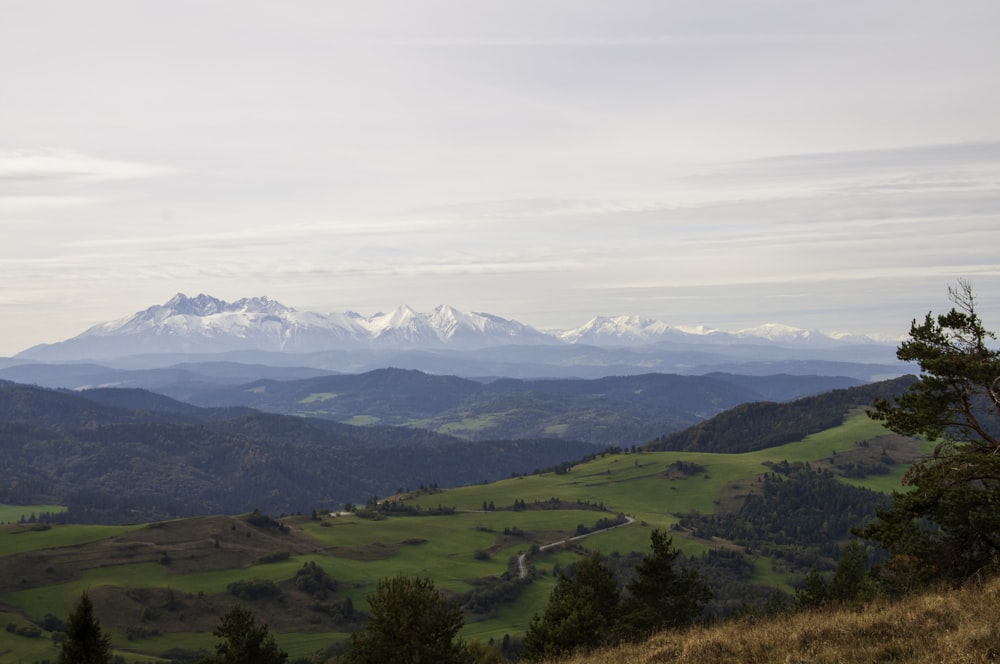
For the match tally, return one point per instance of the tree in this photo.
(408, 622)
(86, 642)
(851, 582)
(314, 581)
(244, 641)
(582, 613)
(814, 592)
(661, 597)
(948, 524)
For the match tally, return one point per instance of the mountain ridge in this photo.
(205, 324)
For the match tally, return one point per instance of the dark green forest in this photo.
(760, 425)
(111, 464)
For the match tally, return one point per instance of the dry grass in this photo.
(957, 626)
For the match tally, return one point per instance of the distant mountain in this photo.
(259, 330)
(616, 410)
(204, 324)
(622, 330)
(173, 379)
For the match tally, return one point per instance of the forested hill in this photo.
(110, 463)
(760, 425)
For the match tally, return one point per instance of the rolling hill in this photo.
(130, 455)
(617, 410)
(468, 540)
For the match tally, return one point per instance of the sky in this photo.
(826, 165)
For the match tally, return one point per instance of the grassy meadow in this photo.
(14, 513)
(132, 570)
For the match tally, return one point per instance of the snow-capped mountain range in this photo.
(204, 324)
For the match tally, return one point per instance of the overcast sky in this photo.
(830, 165)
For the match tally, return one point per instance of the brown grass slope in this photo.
(952, 626)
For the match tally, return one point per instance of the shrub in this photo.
(253, 589)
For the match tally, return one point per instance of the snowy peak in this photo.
(778, 333)
(636, 331)
(453, 325)
(447, 320)
(259, 305)
(400, 327)
(447, 326)
(626, 330)
(206, 324)
(182, 305)
(205, 305)
(189, 315)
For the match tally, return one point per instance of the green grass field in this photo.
(362, 420)
(19, 539)
(357, 552)
(319, 396)
(14, 513)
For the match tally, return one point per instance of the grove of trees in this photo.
(586, 610)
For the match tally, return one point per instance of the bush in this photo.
(314, 581)
(253, 589)
(276, 557)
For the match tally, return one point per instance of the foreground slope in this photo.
(935, 627)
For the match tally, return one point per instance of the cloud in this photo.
(54, 164)
(25, 204)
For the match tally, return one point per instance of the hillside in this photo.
(129, 455)
(618, 410)
(467, 539)
(943, 626)
(759, 425)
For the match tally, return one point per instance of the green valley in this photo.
(160, 587)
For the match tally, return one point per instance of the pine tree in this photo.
(408, 622)
(86, 642)
(582, 613)
(851, 582)
(662, 597)
(814, 591)
(244, 641)
(948, 524)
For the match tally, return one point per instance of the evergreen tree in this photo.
(244, 641)
(814, 592)
(409, 622)
(86, 642)
(948, 524)
(582, 613)
(851, 582)
(661, 597)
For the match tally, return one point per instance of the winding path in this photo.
(522, 557)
